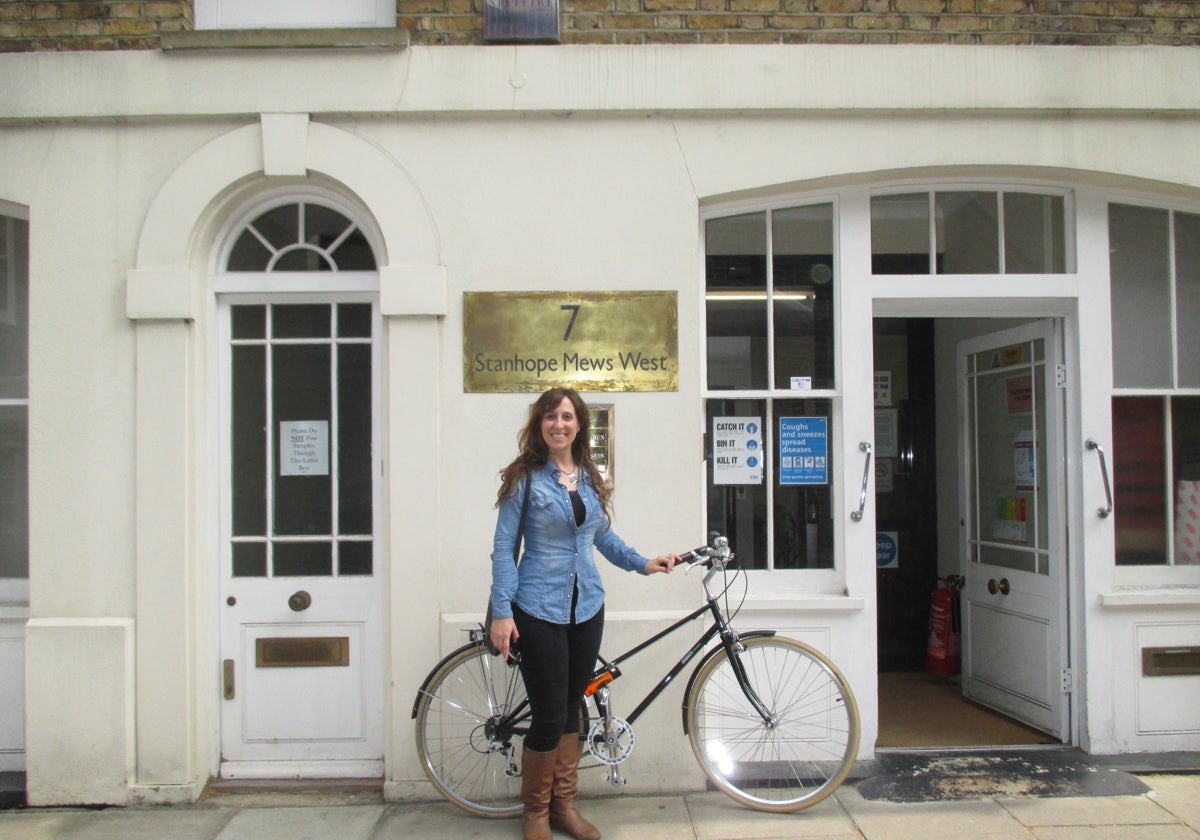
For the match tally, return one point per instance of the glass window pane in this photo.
(1139, 481)
(248, 254)
(305, 320)
(1187, 298)
(354, 254)
(249, 559)
(900, 234)
(301, 392)
(968, 232)
(1034, 234)
(299, 559)
(248, 447)
(14, 308)
(280, 227)
(354, 320)
(803, 512)
(1009, 443)
(736, 301)
(802, 257)
(323, 225)
(14, 495)
(1185, 447)
(739, 511)
(354, 439)
(355, 558)
(249, 322)
(1139, 266)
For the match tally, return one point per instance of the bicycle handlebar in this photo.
(716, 554)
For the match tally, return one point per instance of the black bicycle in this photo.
(771, 721)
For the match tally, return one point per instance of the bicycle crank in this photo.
(611, 744)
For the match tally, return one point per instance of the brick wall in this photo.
(91, 25)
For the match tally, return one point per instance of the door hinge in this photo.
(1060, 376)
(1068, 681)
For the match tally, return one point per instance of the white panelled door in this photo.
(302, 651)
(1014, 620)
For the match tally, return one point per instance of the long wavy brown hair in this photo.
(534, 453)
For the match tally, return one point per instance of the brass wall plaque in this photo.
(516, 342)
(302, 652)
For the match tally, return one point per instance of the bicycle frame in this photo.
(611, 670)
(598, 684)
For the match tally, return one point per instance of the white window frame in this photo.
(1169, 573)
(14, 592)
(785, 581)
(294, 14)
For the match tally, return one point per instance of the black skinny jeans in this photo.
(556, 662)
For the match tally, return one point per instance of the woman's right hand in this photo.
(504, 634)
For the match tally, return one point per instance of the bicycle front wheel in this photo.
(801, 751)
(471, 716)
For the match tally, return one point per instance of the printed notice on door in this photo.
(737, 450)
(304, 447)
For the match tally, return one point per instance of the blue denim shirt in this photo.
(557, 553)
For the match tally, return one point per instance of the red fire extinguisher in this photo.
(943, 656)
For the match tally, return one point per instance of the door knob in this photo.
(300, 601)
(1000, 586)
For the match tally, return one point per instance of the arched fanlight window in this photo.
(302, 236)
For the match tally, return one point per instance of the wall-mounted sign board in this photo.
(591, 341)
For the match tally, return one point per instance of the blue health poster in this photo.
(803, 450)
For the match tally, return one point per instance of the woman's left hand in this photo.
(661, 564)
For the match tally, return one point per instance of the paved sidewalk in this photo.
(1169, 811)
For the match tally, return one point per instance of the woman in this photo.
(554, 604)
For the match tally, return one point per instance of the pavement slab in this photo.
(144, 824)
(36, 825)
(339, 823)
(1115, 832)
(1178, 794)
(717, 817)
(1087, 810)
(978, 819)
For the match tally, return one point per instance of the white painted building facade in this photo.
(144, 181)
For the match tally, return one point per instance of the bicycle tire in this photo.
(471, 753)
(470, 760)
(804, 755)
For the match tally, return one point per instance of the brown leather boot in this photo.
(563, 813)
(537, 777)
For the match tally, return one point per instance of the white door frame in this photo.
(1034, 297)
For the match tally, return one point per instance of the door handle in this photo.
(1104, 511)
(1000, 586)
(227, 678)
(857, 515)
(300, 601)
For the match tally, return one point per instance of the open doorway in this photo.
(916, 396)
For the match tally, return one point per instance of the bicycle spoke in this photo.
(466, 734)
(797, 756)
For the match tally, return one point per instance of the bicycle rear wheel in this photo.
(471, 718)
(802, 753)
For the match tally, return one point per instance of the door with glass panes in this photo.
(301, 605)
(1014, 622)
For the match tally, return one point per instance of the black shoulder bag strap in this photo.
(521, 527)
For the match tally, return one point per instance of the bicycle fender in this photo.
(434, 670)
(714, 651)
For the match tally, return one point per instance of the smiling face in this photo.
(560, 426)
